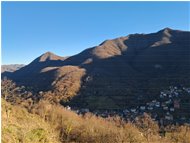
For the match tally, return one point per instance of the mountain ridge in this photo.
(115, 70)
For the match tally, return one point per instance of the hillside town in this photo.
(171, 107)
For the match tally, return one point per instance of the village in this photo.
(172, 106)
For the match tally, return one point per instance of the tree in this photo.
(7, 88)
(147, 126)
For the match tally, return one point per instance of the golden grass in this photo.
(19, 126)
(53, 123)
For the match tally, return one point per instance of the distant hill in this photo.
(115, 73)
(11, 67)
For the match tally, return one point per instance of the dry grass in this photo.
(53, 123)
(88, 128)
(73, 128)
(19, 126)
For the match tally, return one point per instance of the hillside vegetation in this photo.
(19, 126)
(28, 118)
(47, 123)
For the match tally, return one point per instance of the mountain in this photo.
(11, 67)
(37, 74)
(118, 73)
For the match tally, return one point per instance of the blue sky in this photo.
(29, 29)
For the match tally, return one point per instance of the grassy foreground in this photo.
(19, 126)
(47, 123)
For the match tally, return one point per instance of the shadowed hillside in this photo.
(114, 74)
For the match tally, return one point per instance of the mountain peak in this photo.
(48, 53)
(49, 56)
(166, 33)
(165, 30)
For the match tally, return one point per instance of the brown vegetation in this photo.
(89, 128)
(46, 122)
(19, 126)
(66, 85)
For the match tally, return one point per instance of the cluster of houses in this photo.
(171, 106)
